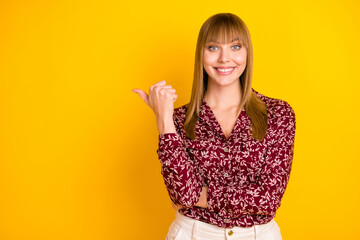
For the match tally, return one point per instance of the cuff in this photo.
(169, 141)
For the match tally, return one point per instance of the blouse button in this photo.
(226, 149)
(227, 220)
(226, 174)
(230, 233)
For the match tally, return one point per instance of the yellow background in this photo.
(78, 148)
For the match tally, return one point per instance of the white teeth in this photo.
(224, 69)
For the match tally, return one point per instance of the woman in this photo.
(226, 156)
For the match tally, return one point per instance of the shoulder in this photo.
(280, 112)
(179, 114)
(281, 119)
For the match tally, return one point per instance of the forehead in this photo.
(217, 41)
(225, 34)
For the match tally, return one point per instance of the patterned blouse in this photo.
(246, 178)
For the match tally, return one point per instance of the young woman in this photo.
(226, 156)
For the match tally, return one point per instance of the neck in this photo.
(223, 97)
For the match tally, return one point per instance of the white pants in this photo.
(185, 228)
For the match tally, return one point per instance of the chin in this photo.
(225, 83)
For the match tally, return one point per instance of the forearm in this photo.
(201, 203)
(239, 200)
(181, 176)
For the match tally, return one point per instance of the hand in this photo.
(201, 203)
(161, 99)
(203, 198)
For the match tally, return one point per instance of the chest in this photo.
(233, 161)
(226, 120)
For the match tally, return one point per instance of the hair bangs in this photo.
(225, 30)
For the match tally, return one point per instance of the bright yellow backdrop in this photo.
(78, 148)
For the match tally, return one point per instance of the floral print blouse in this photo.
(246, 178)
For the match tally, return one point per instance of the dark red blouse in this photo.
(246, 177)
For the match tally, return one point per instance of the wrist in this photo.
(165, 125)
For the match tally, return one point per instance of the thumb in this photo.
(142, 94)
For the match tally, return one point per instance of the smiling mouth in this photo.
(224, 70)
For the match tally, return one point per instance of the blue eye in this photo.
(212, 47)
(238, 47)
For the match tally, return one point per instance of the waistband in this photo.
(206, 230)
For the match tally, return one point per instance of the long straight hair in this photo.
(222, 28)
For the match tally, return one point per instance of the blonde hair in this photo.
(222, 28)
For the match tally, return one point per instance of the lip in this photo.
(224, 73)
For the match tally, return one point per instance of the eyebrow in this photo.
(236, 39)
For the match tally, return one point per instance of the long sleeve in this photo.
(180, 174)
(262, 196)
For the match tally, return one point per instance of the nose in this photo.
(224, 55)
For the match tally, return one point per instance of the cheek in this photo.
(240, 59)
(209, 59)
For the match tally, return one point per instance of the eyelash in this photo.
(233, 46)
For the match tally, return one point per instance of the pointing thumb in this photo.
(142, 94)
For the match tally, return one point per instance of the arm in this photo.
(180, 174)
(264, 195)
(181, 177)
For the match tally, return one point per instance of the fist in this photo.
(160, 99)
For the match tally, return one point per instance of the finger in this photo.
(161, 91)
(165, 87)
(175, 97)
(167, 90)
(142, 94)
(161, 83)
